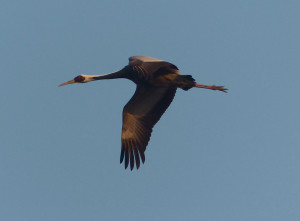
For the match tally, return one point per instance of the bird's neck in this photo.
(113, 75)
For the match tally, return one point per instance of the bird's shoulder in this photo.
(147, 66)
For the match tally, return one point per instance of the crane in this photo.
(156, 84)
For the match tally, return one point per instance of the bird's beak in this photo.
(68, 82)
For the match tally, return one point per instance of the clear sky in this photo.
(213, 156)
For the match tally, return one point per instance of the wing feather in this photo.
(137, 157)
(131, 158)
(140, 114)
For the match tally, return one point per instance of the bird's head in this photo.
(79, 79)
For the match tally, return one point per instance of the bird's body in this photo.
(157, 82)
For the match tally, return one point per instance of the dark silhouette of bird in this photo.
(156, 84)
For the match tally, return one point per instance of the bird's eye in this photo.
(79, 78)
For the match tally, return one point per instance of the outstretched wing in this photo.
(147, 66)
(140, 114)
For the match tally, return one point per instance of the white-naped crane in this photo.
(157, 82)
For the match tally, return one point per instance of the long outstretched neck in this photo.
(113, 75)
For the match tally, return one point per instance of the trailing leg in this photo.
(211, 87)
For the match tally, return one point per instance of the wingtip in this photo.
(126, 159)
(122, 156)
(142, 156)
(126, 165)
(131, 159)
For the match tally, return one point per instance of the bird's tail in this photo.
(185, 82)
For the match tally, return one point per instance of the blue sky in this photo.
(213, 156)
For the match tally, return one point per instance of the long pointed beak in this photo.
(68, 82)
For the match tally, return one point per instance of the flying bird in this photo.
(156, 84)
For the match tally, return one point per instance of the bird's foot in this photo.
(211, 87)
(219, 88)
